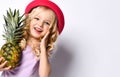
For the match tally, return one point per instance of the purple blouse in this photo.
(28, 67)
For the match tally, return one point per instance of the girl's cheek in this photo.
(32, 22)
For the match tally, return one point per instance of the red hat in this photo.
(50, 5)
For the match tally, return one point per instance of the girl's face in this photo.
(41, 21)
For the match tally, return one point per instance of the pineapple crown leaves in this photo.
(13, 26)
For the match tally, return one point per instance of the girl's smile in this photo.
(38, 29)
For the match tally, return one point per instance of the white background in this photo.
(89, 46)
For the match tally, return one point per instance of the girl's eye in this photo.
(36, 18)
(47, 23)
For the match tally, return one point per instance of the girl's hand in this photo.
(44, 40)
(2, 65)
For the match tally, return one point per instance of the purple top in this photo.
(28, 67)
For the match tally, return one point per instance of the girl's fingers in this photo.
(1, 59)
(3, 68)
(3, 64)
(43, 42)
(46, 35)
(7, 68)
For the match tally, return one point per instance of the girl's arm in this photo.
(44, 67)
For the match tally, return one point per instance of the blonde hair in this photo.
(53, 31)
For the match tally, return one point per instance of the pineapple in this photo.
(11, 50)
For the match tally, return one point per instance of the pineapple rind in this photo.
(11, 54)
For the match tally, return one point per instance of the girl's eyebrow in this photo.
(48, 21)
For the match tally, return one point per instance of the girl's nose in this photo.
(40, 23)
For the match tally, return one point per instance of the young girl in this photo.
(44, 22)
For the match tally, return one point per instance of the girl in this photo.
(44, 22)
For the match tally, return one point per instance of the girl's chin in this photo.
(36, 36)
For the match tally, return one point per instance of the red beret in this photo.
(50, 5)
